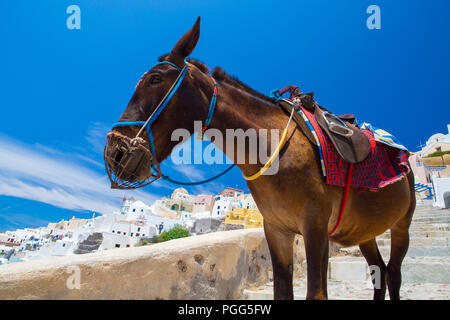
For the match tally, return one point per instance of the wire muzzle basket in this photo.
(129, 163)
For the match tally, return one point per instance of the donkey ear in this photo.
(185, 45)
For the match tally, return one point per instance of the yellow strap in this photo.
(269, 163)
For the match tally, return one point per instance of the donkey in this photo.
(295, 200)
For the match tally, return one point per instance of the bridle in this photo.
(138, 143)
(129, 145)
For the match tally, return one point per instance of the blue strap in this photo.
(172, 64)
(161, 108)
(128, 124)
(212, 106)
(197, 182)
(152, 141)
(275, 95)
(153, 118)
(137, 124)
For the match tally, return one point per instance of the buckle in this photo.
(336, 125)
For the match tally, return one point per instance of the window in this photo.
(137, 234)
(143, 235)
(139, 229)
(112, 231)
(132, 234)
(128, 245)
(134, 210)
(117, 245)
(63, 244)
(124, 233)
(218, 207)
(118, 232)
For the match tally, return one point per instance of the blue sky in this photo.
(62, 89)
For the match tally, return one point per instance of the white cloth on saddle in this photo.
(383, 136)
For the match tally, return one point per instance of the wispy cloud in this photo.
(31, 172)
(96, 136)
(189, 172)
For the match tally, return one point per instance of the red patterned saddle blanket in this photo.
(383, 166)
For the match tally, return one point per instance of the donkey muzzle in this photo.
(129, 163)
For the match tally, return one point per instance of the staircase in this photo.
(91, 244)
(425, 269)
(420, 187)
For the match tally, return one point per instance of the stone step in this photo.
(420, 234)
(423, 225)
(90, 243)
(81, 251)
(413, 251)
(419, 251)
(414, 269)
(432, 215)
(428, 221)
(356, 290)
(419, 241)
(86, 247)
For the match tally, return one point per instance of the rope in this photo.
(198, 182)
(344, 199)
(275, 153)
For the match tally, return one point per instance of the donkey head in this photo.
(128, 157)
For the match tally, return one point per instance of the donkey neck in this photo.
(238, 109)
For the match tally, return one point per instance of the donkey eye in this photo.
(154, 80)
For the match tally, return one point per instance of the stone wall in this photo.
(211, 266)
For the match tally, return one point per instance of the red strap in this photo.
(344, 199)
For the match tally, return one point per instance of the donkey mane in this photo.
(221, 76)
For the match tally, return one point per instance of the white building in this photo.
(441, 188)
(437, 142)
(248, 202)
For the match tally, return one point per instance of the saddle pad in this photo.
(383, 136)
(383, 166)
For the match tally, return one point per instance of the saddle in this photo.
(350, 142)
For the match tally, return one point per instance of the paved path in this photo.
(358, 290)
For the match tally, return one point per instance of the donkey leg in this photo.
(316, 247)
(399, 247)
(325, 257)
(282, 253)
(373, 257)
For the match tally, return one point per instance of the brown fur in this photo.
(294, 201)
